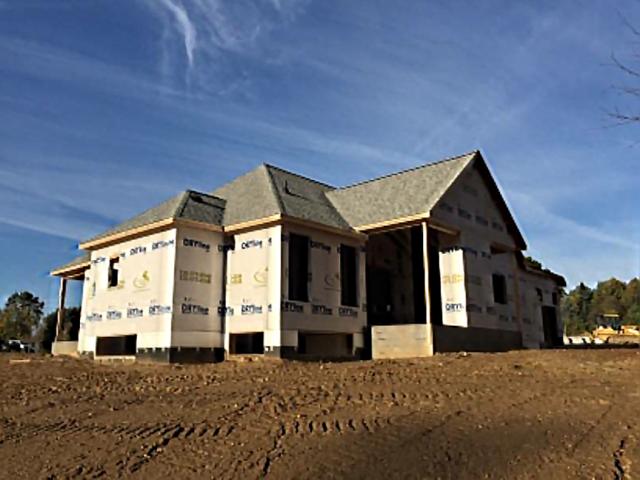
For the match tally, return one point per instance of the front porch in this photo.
(72, 271)
(404, 301)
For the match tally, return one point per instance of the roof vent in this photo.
(292, 191)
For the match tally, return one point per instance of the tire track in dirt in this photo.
(289, 419)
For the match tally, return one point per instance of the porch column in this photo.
(516, 293)
(61, 297)
(427, 294)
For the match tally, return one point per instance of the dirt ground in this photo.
(532, 414)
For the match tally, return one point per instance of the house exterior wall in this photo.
(253, 285)
(531, 304)
(323, 313)
(198, 289)
(142, 302)
(189, 288)
(468, 207)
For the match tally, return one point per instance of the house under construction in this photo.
(420, 261)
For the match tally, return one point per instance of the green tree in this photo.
(533, 263)
(607, 299)
(47, 331)
(21, 315)
(576, 306)
(72, 323)
(632, 316)
(46, 334)
(631, 302)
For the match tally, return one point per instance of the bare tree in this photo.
(631, 71)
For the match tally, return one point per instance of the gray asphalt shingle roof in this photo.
(189, 205)
(398, 195)
(76, 262)
(306, 199)
(249, 197)
(267, 191)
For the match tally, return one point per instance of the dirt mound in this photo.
(551, 414)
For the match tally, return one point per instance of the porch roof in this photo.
(74, 268)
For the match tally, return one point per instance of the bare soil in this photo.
(531, 414)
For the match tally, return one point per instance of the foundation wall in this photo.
(474, 339)
(401, 341)
(64, 348)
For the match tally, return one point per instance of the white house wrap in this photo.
(425, 260)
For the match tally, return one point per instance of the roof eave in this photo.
(147, 229)
(279, 219)
(72, 271)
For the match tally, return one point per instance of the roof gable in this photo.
(478, 199)
(499, 200)
(403, 194)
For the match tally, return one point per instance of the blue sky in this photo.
(109, 107)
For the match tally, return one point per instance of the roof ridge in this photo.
(182, 205)
(273, 189)
(206, 194)
(407, 170)
(268, 165)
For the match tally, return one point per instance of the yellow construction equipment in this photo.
(610, 330)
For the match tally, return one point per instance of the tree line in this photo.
(23, 318)
(583, 307)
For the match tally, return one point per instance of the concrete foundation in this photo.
(474, 339)
(64, 348)
(401, 341)
(180, 355)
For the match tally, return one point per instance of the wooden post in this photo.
(61, 297)
(427, 294)
(516, 281)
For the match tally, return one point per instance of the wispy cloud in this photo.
(210, 28)
(185, 25)
(581, 251)
(533, 208)
(50, 63)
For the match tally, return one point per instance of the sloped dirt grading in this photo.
(546, 414)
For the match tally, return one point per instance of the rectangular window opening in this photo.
(246, 343)
(499, 288)
(298, 268)
(113, 271)
(348, 276)
(122, 345)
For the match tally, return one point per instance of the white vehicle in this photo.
(15, 345)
